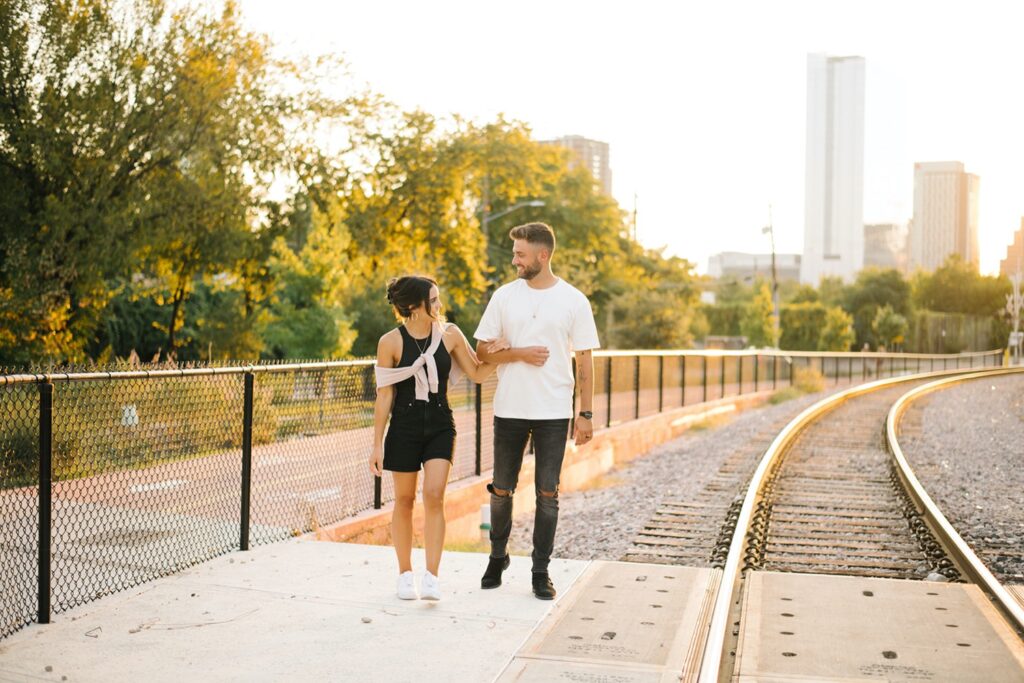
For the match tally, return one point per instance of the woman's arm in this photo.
(387, 357)
(463, 354)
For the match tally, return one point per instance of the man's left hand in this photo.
(584, 430)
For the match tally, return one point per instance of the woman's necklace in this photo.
(426, 343)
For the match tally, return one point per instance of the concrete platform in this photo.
(806, 627)
(624, 622)
(292, 611)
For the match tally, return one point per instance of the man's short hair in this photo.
(535, 233)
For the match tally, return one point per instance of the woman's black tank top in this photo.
(406, 389)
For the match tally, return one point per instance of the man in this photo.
(544, 319)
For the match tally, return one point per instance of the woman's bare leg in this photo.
(401, 518)
(435, 480)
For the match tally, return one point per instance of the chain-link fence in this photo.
(110, 479)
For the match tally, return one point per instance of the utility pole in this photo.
(775, 283)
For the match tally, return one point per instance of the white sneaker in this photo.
(406, 587)
(430, 587)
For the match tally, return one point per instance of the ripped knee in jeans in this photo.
(503, 493)
(548, 494)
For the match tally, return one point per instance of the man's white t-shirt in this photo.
(558, 317)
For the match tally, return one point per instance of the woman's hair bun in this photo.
(409, 292)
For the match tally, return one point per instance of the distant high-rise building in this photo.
(750, 266)
(834, 185)
(885, 246)
(945, 214)
(591, 154)
(1014, 253)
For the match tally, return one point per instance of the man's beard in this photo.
(530, 272)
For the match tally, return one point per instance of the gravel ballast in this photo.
(967, 448)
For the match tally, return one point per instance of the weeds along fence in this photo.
(111, 479)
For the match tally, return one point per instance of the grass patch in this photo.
(783, 395)
(709, 423)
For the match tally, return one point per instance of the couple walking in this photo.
(528, 332)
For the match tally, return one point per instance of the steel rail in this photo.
(968, 562)
(720, 624)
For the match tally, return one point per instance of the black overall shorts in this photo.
(420, 430)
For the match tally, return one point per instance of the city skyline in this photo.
(704, 106)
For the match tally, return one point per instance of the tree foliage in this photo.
(837, 332)
(143, 152)
(957, 287)
(889, 327)
(758, 323)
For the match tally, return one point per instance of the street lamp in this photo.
(775, 283)
(487, 217)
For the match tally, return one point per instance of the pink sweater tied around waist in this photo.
(423, 369)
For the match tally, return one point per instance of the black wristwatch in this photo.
(587, 414)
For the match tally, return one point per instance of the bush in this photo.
(808, 380)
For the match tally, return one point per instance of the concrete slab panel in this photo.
(623, 622)
(296, 610)
(806, 627)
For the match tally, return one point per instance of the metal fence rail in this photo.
(111, 479)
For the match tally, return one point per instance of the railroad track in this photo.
(833, 497)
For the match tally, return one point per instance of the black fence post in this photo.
(479, 405)
(722, 377)
(775, 372)
(756, 364)
(636, 376)
(249, 382)
(704, 371)
(682, 380)
(661, 383)
(45, 498)
(792, 363)
(608, 394)
(739, 375)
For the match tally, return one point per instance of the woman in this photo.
(414, 367)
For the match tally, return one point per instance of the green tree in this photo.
(889, 327)
(310, 315)
(758, 324)
(802, 325)
(873, 289)
(837, 332)
(131, 133)
(957, 287)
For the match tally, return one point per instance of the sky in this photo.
(703, 104)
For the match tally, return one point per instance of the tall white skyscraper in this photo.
(834, 196)
(945, 214)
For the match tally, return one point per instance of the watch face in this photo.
(586, 414)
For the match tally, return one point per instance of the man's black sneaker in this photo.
(542, 586)
(495, 566)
